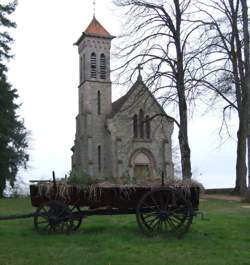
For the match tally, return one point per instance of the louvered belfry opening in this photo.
(102, 66)
(93, 65)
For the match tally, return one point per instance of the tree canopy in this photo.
(13, 134)
(191, 50)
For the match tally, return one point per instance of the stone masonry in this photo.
(117, 139)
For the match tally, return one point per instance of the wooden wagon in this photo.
(161, 209)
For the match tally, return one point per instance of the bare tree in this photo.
(226, 66)
(158, 37)
(245, 19)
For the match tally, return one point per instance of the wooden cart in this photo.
(159, 210)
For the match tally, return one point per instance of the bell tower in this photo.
(94, 101)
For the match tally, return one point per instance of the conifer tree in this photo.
(13, 134)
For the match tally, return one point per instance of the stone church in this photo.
(119, 139)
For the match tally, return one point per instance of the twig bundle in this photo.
(64, 190)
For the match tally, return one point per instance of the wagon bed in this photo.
(158, 209)
(113, 197)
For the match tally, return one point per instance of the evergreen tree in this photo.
(13, 134)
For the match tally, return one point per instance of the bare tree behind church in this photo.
(226, 68)
(159, 40)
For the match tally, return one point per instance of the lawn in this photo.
(222, 239)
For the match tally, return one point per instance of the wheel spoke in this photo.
(165, 225)
(167, 212)
(171, 224)
(44, 209)
(76, 218)
(178, 217)
(175, 222)
(148, 215)
(155, 202)
(156, 224)
(167, 201)
(151, 221)
(54, 216)
(42, 222)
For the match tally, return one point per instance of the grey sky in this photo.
(45, 72)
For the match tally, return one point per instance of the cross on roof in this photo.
(139, 68)
(94, 4)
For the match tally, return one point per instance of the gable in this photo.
(138, 97)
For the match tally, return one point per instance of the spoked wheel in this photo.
(164, 211)
(75, 216)
(53, 217)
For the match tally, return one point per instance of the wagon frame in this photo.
(159, 210)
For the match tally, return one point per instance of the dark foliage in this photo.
(13, 134)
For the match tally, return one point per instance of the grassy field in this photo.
(223, 239)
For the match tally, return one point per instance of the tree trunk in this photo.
(183, 132)
(248, 151)
(185, 152)
(241, 168)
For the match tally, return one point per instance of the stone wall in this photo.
(124, 144)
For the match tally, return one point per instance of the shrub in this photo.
(81, 178)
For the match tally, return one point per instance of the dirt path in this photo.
(221, 197)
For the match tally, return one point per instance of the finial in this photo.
(94, 4)
(139, 68)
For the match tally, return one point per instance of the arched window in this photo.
(103, 66)
(93, 65)
(135, 126)
(98, 102)
(99, 158)
(148, 129)
(141, 123)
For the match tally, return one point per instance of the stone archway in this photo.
(142, 164)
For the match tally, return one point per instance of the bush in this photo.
(81, 178)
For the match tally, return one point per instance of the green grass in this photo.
(223, 239)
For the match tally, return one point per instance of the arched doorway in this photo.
(142, 164)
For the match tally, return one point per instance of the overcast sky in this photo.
(45, 73)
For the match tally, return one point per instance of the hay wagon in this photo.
(163, 209)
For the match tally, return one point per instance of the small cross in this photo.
(139, 68)
(94, 3)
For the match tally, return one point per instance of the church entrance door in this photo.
(141, 171)
(141, 162)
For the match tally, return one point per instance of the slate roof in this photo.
(117, 105)
(95, 29)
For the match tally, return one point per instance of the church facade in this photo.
(130, 137)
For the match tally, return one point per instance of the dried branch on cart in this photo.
(64, 190)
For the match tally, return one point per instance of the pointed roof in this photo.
(117, 105)
(95, 29)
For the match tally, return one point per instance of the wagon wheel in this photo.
(164, 211)
(53, 216)
(75, 216)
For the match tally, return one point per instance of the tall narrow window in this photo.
(99, 158)
(135, 126)
(98, 102)
(148, 129)
(141, 123)
(93, 65)
(102, 66)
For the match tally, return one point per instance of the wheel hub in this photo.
(163, 215)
